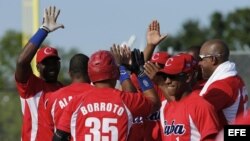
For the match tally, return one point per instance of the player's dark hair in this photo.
(78, 65)
(196, 50)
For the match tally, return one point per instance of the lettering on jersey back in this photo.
(102, 106)
(64, 102)
(176, 129)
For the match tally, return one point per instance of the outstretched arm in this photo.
(122, 56)
(23, 68)
(145, 83)
(153, 39)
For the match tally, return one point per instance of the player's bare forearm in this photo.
(23, 68)
(128, 86)
(148, 51)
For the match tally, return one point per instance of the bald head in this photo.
(216, 47)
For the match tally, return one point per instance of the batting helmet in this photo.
(102, 66)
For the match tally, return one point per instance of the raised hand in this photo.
(126, 53)
(151, 69)
(137, 63)
(116, 52)
(153, 34)
(49, 19)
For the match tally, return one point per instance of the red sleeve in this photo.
(206, 119)
(30, 88)
(137, 104)
(64, 121)
(219, 95)
(48, 109)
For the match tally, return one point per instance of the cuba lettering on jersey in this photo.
(154, 117)
(176, 129)
(191, 118)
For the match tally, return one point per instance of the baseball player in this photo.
(188, 116)
(150, 126)
(58, 100)
(224, 89)
(32, 89)
(105, 113)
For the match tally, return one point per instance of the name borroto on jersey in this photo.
(102, 107)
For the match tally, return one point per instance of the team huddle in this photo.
(187, 96)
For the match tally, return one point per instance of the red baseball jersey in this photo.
(191, 118)
(103, 114)
(152, 127)
(33, 95)
(148, 127)
(229, 97)
(152, 130)
(57, 102)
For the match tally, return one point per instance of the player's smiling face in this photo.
(174, 84)
(49, 69)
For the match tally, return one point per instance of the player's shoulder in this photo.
(227, 86)
(61, 91)
(58, 91)
(32, 82)
(195, 100)
(228, 82)
(106, 92)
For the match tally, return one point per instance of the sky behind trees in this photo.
(93, 25)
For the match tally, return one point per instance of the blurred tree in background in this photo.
(233, 28)
(10, 46)
(10, 119)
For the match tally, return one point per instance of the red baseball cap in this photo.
(160, 57)
(46, 52)
(176, 65)
(189, 58)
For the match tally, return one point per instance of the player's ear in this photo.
(215, 60)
